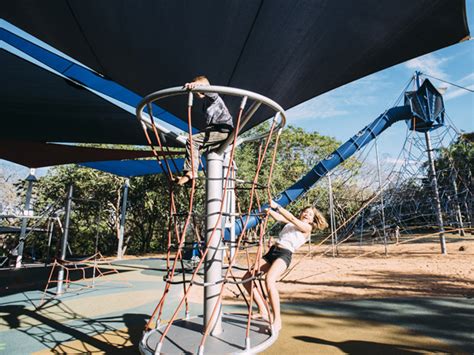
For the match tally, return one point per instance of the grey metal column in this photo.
(381, 198)
(434, 184)
(213, 263)
(24, 223)
(230, 203)
(59, 289)
(332, 218)
(126, 185)
(456, 202)
(50, 238)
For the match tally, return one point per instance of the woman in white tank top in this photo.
(295, 233)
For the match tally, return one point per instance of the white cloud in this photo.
(320, 107)
(467, 78)
(454, 91)
(341, 101)
(429, 64)
(457, 92)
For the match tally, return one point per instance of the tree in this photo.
(298, 151)
(98, 195)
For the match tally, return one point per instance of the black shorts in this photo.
(276, 252)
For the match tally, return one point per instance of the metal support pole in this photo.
(24, 223)
(468, 203)
(59, 289)
(381, 199)
(230, 204)
(434, 184)
(213, 263)
(456, 202)
(50, 238)
(126, 185)
(434, 181)
(332, 217)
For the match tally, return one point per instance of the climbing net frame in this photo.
(215, 227)
(88, 271)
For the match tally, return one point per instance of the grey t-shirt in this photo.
(216, 111)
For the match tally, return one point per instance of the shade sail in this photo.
(131, 168)
(290, 51)
(38, 105)
(37, 154)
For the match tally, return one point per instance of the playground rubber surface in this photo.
(361, 305)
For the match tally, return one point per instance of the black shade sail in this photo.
(37, 154)
(37, 105)
(290, 51)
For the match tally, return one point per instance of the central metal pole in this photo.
(59, 289)
(213, 263)
(437, 202)
(126, 185)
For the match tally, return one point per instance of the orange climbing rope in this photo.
(175, 232)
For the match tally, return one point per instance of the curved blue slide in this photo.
(424, 107)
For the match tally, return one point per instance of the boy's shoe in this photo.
(184, 180)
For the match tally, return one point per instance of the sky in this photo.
(342, 112)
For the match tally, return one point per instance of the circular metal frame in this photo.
(231, 341)
(257, 98)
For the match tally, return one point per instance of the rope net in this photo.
(186, 247)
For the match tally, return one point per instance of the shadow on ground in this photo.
(61, 330)
(367, 347)
(389, 283)
(448, 320)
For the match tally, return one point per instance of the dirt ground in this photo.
(413, 268)
(410, 269)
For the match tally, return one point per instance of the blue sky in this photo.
(342, 112)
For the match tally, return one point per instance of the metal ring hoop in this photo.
(257, 98)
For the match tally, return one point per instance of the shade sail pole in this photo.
(31, 179)
(59, 289)
(126, 186)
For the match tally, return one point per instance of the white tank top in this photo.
(291, 238)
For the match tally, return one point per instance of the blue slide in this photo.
(423, 110)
